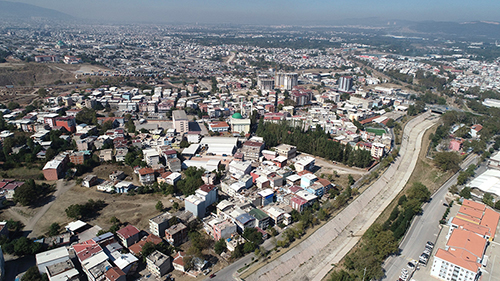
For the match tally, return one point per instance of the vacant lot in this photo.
(136, 210)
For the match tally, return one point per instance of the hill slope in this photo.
(16, 10)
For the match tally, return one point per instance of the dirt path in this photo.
(328, 167)
(61, 187)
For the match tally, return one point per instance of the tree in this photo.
(465, 193)
(249, 247)
(159, 206)
(419, 191)
(497, 205)
(350, 179)
(175, 205)
(42, 92)
(220, 246)
(86, 116)
(447, 161)
(488, 199)
(33, 274)
(54, 229)
(30, 193)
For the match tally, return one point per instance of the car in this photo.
(427, 251)
(429, 243)
(411, 265)
(446, 205)
(212, 275)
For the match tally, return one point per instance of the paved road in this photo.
(314, 257)
(424, 228)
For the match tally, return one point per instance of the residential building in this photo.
(224, 230)
(287, 151)
(251, 149)
(64, 270)
(262, 220)
(147, 176)
(51, 257)
(181, 122)
(195, 205)
(151, 157)
(90, 180)
(56, 168)
(176, 234)
(106, 155)
(159, 224)
(178, 261)
(128, 235)
(159, 264)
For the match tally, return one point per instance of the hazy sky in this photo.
(273, 11)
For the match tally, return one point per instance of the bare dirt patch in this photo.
(136, 210)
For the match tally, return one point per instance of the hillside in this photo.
(16, 10)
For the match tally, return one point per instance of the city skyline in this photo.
(275, 12)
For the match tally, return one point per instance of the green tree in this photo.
(33, 274)
(54, 229)
(497, 205)
(42, 92)
(350, 179)
(419, 191)
(488, 199)
(220, 246)
(447, 161)
(465, 193)
(159, 206)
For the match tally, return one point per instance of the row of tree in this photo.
(316, 142)
(381, 240)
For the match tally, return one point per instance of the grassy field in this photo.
(23, 173)
(376, 131)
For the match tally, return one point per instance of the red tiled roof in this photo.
(114, 273)
(128, 231)
(207, 187)
(146, 171)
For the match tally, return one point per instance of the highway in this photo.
(424, 227)
(315, 256)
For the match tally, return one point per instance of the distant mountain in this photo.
(16, 10)
(474, 29)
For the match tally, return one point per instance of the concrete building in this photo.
(181, 122)
(128, 235)
(51, 257)
(159, 224)
(159, 264)
(345, 84)
(176, 234)
(288, 151)
(56, 168)
(251, 149)
(195, 205)
(224, 230)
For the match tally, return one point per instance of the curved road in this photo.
(314, 257)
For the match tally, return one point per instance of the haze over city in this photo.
(271, 12)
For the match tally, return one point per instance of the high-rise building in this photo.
(345, 84)
(286, 81)
(181, 122)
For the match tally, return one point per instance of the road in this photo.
(424, 227)
(315, 256)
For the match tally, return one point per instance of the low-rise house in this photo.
(136, 249)
(64, 270)
(128, 235)
(90, 180)
(124, 187)
(120, 154)
(51, 257)
(306, 163)
(244, 221)
(146, 176)
(287, 151)
(96, 266)
(178, 261)
(106, 155)
(262, 220)
(115, 274)
(176, 234)
(159, 264)
(117, 176)
(224, 230)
